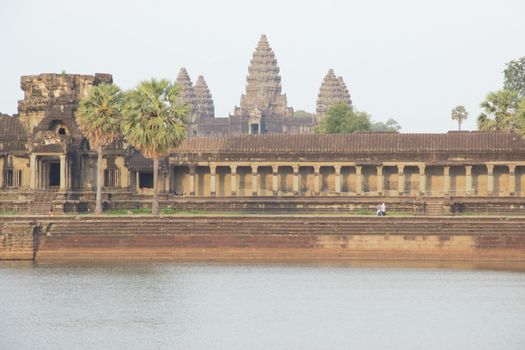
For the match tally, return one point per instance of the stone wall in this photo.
(265, 238)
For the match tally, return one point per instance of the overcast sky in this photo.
(412, 60)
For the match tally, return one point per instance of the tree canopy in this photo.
(390, 125)
(301, 113)
(343, 119)
(503, 110)
(515, 76)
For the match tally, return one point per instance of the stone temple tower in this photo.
(187, 92)
(263, 108)
(333, 91)
(204, 107)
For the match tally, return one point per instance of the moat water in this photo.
(261, 306)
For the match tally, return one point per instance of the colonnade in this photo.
(394, 179)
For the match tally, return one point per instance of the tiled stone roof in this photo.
(360, 143)
(11, 129)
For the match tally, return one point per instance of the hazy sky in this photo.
(412, 60)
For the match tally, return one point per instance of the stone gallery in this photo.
(260, 150)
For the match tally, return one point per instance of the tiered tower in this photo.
(333, 91)
(187, 92)
(263, 107)
(204, 107)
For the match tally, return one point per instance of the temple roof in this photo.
(11, 129)
(333, 91)
(363, 143)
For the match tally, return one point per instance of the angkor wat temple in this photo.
(264, 108)
(45, 159)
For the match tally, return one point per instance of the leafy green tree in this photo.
(515, 76)
(503, 110)
(459, 114)
(343, 119)
(98, 118)
(390, 125)
(154, 122)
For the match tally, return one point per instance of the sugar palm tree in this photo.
(153, 123)
(459, 114)
(98, 117)
(500, 112)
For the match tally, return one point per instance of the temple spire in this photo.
(333, 91)
(187, 92)
(204, 107)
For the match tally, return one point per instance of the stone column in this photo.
(137, 181)
(379, 180)
(337, 179)
(422, 180)
(255, 180)
(62, 172)
(32, 170)
(358, 180)
(490, 179)
(172, 178)
(192, 180)
(233, 171)
(213, 185)
(512, 179)
(296, 180)
(317, 180)
(468, 175)
(446, 179)
(401, 179)
(275, 180)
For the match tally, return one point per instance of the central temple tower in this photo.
(263, 108)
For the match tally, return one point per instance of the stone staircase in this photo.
(267, 225)
(434, 207)
(42, 202)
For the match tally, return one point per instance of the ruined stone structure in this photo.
(333, 91)
(44, 158)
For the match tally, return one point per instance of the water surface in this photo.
(260, 306)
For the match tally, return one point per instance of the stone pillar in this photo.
(62, 172)
(337, 179)
(275, 180)
(490, 179)
(192, 180)
(446, 180)
(422, 180)
(468, 175)
(317, 180)
(255, 180)
(380, 180)
(296, 180)
(172, 178)
(32, 170)
(213, 185)
(358, 180)
(233, 171)
(137, 181)
(512, 179)
(401, 179)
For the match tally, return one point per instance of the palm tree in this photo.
(459, 113)
(153, 123)
(98, 117)
(500, 112)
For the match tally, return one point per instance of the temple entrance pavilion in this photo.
(49, 171)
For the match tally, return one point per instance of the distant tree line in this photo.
(344, 119)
